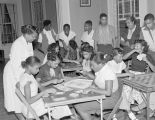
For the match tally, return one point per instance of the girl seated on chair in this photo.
(29, 87)
(105, 82)
(87, 53)
(50, 72)
(140, 61)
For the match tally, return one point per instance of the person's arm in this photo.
(27, 93)
(88, 75)
(53, 34)
(124, 74)
(108, 88)
(126, 56)
(141, 35)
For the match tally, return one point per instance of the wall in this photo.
(79, 15)
(26, 7)
(7, 47)
(151, 8)
(51, 13)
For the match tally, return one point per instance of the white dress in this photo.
(38, 106)
(20, 50)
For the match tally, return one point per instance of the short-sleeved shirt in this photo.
(116, 67)
(88, 37)
(46, 75)
(137, 65)
(106, 74)
(24, 79)
(86, 65)
(65, 38)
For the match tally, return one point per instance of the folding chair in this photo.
(24, 101)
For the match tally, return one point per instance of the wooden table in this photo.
(51, 102)
(145, 84)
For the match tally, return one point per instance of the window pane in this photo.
(8, 23)
(127, 7)
(120, 8)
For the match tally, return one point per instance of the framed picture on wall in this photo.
(85, 3)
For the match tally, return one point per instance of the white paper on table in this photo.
(78, 83)
(60, 111)
(62, 87)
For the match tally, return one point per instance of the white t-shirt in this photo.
(48, 35)
(86, 65)
(106, 74)
(88, 37)
(65, 38)
(116, 67)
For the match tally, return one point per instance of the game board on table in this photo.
(143, 81)
(66, 65)
(78, 83)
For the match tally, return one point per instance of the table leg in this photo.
(49, 113)
(148, 105)
(101, 107)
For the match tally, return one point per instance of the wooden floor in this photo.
(3, 114)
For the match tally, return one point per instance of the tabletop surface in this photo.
(145, 81)
(74, 96)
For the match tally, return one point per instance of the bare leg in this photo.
(20, 116)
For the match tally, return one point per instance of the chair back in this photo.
(24, 101)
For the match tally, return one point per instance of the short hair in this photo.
(46, 23)
(73, 44)
(29, 29)
(52, 47)
(51, 56)
(30, 61)
(66, 25)
(132, 19)
(149, 17)
(103, 15)
(89, 22)
(116, 51)
(144, 44)
(88, 49)
(98, 58)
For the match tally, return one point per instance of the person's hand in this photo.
(50, 90)
(131, 75)
(55, 81)
(60, 81)
(87, 90)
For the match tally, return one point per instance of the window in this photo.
(127, 8)
(8, 22)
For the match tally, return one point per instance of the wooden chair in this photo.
(24, 101)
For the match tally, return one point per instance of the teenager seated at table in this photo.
(53, 48)
(72, 52)
(105, 82)
(64, 37)
(29, 87)
(87, 35)
(87, 53)
(50, 72)
(141, 61)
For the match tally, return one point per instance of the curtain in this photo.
(11, 9)
(63, 13)
(112, 17)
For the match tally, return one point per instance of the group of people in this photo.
(104, 59)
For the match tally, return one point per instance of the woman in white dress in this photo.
(20, 50)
